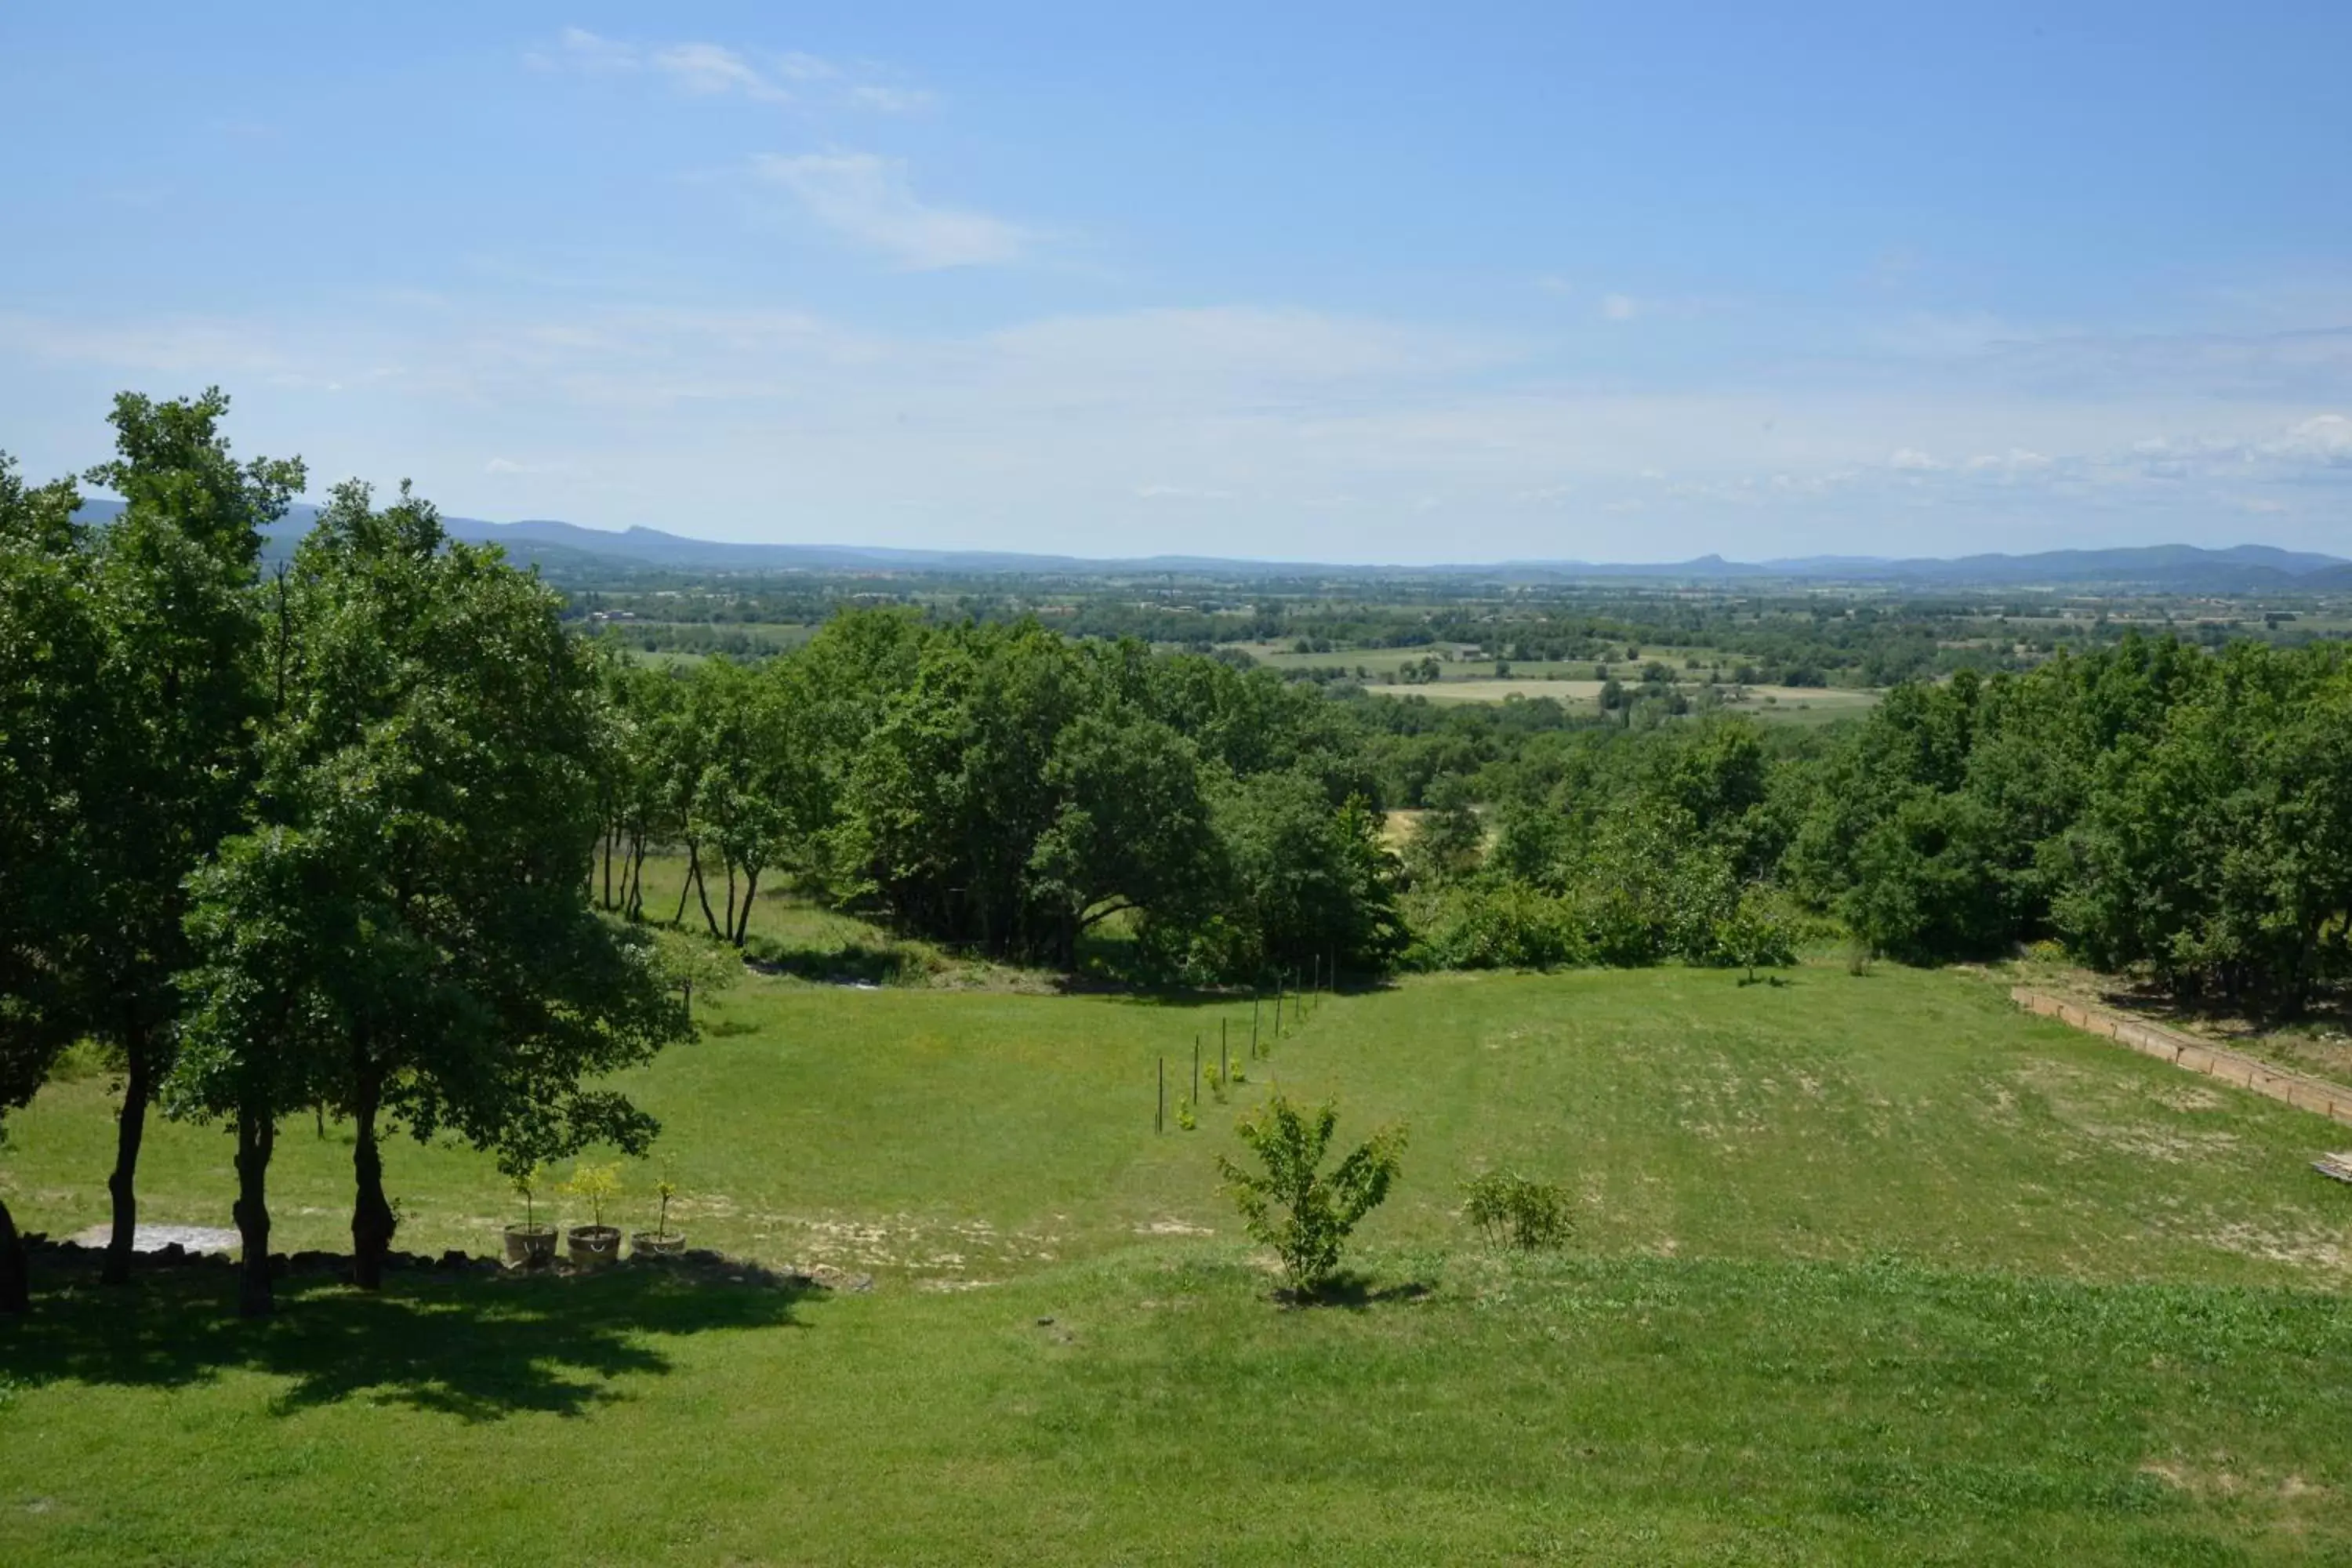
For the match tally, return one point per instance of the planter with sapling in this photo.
(660, 1242)
(529, 1244)
(597, 1244)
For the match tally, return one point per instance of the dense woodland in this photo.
(366, 832)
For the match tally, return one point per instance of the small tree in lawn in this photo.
(698, 964)
(1290, 1205)
(1759, 931)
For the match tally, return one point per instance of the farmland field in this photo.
(1865, 1269)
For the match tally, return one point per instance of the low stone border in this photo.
(2332, 1101)
(704, 1266)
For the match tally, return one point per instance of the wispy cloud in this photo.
(709, 71)
(714, 71)
(868, 199)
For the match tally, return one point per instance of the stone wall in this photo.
(2329, 1099)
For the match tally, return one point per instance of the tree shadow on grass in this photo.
(475, 1348)
(1356, 1292)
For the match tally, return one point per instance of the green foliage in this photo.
(2219, 852)
(1188, 1117)
(595, 1186)
(1506, 1208)
(1290, 1204)
(51, 643)
(1508, 925)
(1760, 931)
(698, 965)
(1449, 840)
(404, 930)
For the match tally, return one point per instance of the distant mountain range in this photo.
(565, 549)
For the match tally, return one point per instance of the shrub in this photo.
(1510, 1209)
(1507, 926)
(1290, 1206)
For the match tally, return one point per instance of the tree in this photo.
(2219, 851)
(427, 800)
(50, 648)
(1130, 830)
(174, 579)
(1449, 839)
(1759, 930)
(1290, 1204)
(1304, 879)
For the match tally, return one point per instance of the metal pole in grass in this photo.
(1224, 1054)
(1252, 1023)
(1159, 1115)
(1196, 1073)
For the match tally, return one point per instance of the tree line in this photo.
(2153, 806)
(315, 838)
(1001, 787)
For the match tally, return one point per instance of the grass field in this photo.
(1866, 1269)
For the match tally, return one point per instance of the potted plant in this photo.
(529, 1244)
(659, 1242)
(593, 1244)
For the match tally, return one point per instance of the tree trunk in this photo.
(131, 1129)
(728, 934)
(610, 833)
(743, 920)
(256, 1135)
(702, 891)
(16, 1286)
(372, 1221)
(693, 876)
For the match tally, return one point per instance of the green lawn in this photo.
(1867, 1269)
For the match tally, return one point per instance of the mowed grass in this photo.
(1866, 1269)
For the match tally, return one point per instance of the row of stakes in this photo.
(1321, 980)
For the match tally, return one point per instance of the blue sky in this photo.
(1344, 282)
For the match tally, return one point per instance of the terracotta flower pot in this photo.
(645, 1244)
(531, 1246)
(593, 1245)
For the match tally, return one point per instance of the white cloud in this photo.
(708, 70)
(868, 199)
(512, 467)
(576, 48)
(1620, 307)
(2016, 460)
(715, 71)
(1180, 493)
(2325, 439)
(1221, 429)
